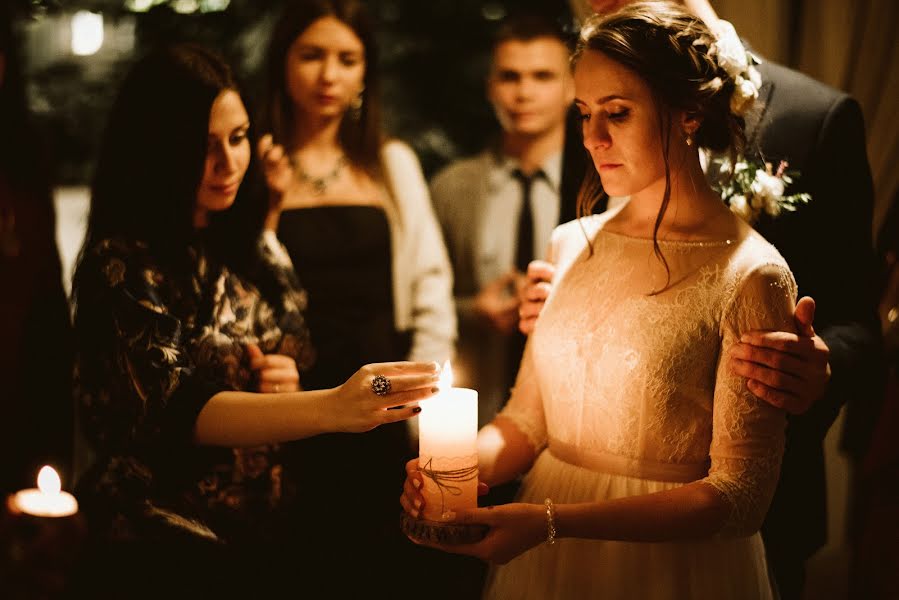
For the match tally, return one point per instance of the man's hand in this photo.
(498, 302)
(534, 293)
(788, 370)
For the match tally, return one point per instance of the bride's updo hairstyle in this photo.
(669, 49)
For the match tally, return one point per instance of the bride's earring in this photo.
(689, 126)
(689, 139)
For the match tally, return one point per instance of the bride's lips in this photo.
(609, 166)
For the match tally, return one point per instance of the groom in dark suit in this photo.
(828, 246)
(819, 131)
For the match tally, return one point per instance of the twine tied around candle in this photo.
(444, 479)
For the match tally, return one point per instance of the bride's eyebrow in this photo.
(611, 97)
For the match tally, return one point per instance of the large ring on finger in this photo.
(380, 385)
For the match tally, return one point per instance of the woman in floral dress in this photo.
(190, 341)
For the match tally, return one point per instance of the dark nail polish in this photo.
(435, 390)
(416, 410)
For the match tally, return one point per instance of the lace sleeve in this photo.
(748, 433)
(525, 407)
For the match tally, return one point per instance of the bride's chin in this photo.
(614, 189)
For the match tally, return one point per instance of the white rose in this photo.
(772, 205)
(755, 77)
(744, 96)
(757, 201)
(740, 207)
(729, 49)
(767, 186)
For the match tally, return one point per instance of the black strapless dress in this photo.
(342, 255)
(349, 484)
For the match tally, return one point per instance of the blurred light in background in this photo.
(493, 11)
(213, 5)
(87, 33)
(141, 5)
(184, 7)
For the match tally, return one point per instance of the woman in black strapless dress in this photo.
(356, 219)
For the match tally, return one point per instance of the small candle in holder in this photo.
(47, 500)
(448, 452)
(41, 537)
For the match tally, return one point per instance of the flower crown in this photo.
(732, 57)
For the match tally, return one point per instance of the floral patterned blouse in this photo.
(153, 348)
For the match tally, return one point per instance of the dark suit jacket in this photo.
(827, 244)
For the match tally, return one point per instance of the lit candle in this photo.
(448, 452)
(47, 500)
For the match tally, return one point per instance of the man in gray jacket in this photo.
(497, 209)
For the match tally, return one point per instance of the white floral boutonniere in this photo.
(751, 188)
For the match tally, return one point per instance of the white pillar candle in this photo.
(47, 500)
(448, 451)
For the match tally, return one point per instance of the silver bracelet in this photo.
(550, 521)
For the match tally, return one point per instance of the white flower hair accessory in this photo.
(732, 57)
(750, 188)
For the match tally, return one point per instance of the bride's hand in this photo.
(514, 529)
(412, 499)
(357, 408)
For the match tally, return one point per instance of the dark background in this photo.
(434, 57)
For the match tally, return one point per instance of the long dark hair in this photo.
(152, 161)
(361, 137)
(23, 162)
(668, 48)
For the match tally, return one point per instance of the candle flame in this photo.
(48, 480)
(446, 377)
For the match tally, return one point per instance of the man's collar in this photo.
(504, 166)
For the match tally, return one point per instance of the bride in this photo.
(649, 465)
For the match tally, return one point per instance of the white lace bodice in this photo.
(618, 380)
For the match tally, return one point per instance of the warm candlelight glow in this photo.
(446, 377)
(448, 455)
(48, 499)
(48, 480)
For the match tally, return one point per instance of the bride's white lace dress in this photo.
(625, 393)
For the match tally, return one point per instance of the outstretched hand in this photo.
(357, 408)
(787, 370)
